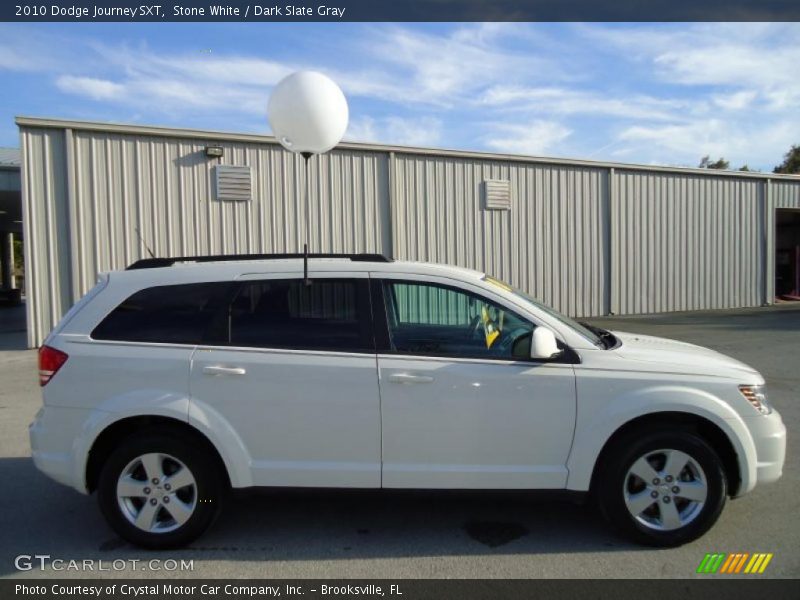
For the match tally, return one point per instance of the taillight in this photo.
(50, 361)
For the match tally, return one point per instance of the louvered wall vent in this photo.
(234, 183)
(497, 194)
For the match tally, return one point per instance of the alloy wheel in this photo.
(665, 489)
(157, 493)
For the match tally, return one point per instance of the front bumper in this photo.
(769, 438)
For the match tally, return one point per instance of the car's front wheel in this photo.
(662, 488)
(159, 490)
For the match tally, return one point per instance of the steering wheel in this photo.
(475, 326)
(507, 342)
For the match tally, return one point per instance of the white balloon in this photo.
(307, 112)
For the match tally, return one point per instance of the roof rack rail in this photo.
(154, 263)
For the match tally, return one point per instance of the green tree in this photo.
(707, 163)
(19, 258)
(791, 162)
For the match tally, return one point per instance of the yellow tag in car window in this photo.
(491, 335)
(496, 282)
(489, 328)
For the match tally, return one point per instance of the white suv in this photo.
(177, 379)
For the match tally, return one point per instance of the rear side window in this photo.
(178, 314)
(329, 314)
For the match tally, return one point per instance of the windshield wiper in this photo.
(607, 338)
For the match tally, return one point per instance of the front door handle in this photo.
(409, 378)
(218, 370)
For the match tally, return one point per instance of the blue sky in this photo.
(643, 93)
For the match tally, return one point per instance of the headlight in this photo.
(756, 395)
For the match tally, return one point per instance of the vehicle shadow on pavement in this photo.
(43, 517)
(391, 523)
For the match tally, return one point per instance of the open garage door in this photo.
(787, 254)
(10, 227)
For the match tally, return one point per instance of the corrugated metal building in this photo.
(588, 238)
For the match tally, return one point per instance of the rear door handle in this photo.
(409, 378)
(218, 370)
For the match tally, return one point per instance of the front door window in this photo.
(439, 320)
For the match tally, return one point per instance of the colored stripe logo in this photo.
(735, 563)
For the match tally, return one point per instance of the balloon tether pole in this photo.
(306, 156)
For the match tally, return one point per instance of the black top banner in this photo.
(403, 10)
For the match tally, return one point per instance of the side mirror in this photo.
(543, 344)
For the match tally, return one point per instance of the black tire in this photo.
(205, 496)
(613, 477)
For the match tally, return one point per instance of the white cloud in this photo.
(535, 138)
(562, 101)
(410, 68)
(736, 100)
(195, 66)
(425, 131)
(447, 70)
(685, 144)
(702, 137)
(24, 49)
(96, 89)
(754, 57)
(12, 59)
(199, 81)
(739, 79)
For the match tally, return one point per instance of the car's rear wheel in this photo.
(159, 490)
(662, 488)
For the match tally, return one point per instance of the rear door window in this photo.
(178, 314)
(329, 314)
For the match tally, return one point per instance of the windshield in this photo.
(582, 329)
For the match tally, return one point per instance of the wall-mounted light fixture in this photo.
(214, 151)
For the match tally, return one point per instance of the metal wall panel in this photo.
(553, 243)
(785, 194)
(46, 231)
(686, 242)
(126, 193)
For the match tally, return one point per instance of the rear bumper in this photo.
(54, 436)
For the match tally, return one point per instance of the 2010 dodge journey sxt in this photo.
(175, 380)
